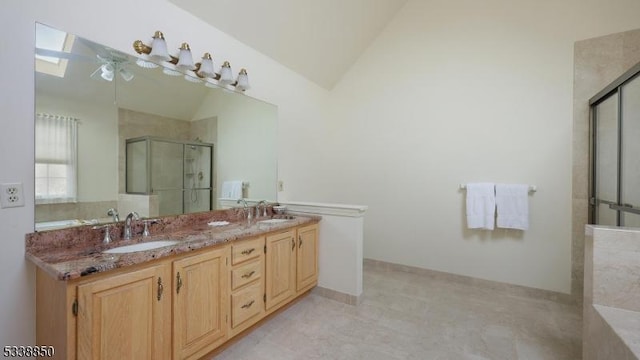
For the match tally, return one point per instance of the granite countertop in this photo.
(73, 253)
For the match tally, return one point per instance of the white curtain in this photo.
(56, 158)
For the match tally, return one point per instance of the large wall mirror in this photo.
(111, 134)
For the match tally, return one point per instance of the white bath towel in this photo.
(232, 189)
(512, 202)
(481, 205)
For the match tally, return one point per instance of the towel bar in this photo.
(532, 188)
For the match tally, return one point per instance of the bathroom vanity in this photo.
(180, 301)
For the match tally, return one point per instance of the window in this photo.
(56, 154)
(58, 41)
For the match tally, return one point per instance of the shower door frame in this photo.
(616, 87)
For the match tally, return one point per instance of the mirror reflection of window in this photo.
(56, 155)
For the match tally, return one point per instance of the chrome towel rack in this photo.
(532, 188)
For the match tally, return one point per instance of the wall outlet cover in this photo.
(11, 195)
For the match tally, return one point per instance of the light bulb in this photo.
(159, 48)
(206, 66)
(242, 83)
(126, 74)
(226, 76)
(107, 72)
(185, 60)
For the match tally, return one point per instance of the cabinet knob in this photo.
(160, 288)
(248, 251)
(247, 305)
(248, 275)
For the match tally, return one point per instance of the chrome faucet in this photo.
(127, 225)
(264, 207)
(246, 209)
(114, 213)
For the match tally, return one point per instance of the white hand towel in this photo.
(232, 189)
(512, 201)
(481, 205)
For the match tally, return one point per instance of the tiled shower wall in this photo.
(597, 62)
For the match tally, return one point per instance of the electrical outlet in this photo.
(11, 195)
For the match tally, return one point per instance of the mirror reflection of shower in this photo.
(194, 171)
(178, 172)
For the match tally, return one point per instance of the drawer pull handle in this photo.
(248, 251)
(293, 243)
(247, 305)
(160, 288)
(248, 275)
(299, 240)
(179, 281)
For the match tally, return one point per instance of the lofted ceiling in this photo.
(318, 39)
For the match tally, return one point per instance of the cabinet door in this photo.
(280, 268)
(126, 316)
(200, 303)
(307, 257)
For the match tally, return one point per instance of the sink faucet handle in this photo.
(264, 205)
(146, 223)
(107, 232)
(113, 212)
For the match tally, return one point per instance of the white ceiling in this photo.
(317, 39)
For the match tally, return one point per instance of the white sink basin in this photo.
(141, 246)
(272, 221)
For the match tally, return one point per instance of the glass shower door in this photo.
(615, 181)
(630, 154)
(606, 161)
(166, 179)
(197, 178)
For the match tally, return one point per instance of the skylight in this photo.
(52, 39)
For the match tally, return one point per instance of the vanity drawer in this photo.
(245, 274)
(246, 304)
(246, 250)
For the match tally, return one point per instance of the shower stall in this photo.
(615, 152)
(179, 172)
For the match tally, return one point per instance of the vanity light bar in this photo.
(157, 52)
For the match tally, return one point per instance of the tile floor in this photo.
(409, 316)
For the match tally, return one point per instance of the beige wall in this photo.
(246, 142)
(464, 91)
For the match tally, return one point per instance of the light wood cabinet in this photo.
(307, 258)
(200, 310)
(127, 316)
(181, 307)
(280, 270)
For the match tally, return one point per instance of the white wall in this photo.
(246, 142)
(118, 25)
(464, 91)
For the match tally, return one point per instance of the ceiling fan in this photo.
(109, 61)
